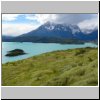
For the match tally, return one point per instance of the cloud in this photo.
(15, 26)
(73, 18)
(17, 29)
(9, 17)
(42, 18)
(89, 25)
(60, 18)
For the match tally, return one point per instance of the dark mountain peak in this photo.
(48, 23)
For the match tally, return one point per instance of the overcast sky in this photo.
(17, 24)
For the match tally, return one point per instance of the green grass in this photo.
(77, 67)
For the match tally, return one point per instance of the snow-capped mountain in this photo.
(64, 27)
(57, 33)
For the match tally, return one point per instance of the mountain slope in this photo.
(89, 37)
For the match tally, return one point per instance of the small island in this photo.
(15, 52)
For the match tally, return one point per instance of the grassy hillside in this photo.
(77, 67)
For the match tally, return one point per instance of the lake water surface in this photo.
(36, 48)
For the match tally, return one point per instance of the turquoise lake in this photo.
(36, 48)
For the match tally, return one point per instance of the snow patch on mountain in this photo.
(75, 29)
(49, 28)
(49, 25)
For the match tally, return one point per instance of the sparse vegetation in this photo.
(77, 67)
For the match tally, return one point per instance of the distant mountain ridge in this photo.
(56, 33)
(7, 38)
